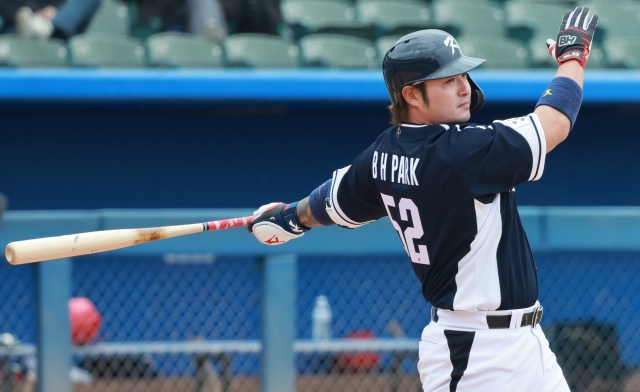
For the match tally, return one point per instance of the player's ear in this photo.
(412, 96)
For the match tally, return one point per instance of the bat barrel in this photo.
(31, 251)
(8, 253)
(50, 248)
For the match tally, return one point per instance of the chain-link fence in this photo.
(17, 324)
(159, 318)
(186, 298)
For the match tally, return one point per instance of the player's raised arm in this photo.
(558, 107)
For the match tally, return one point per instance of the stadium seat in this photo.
(180, 50)
(384, 43)
(106, 50)
(533, 21)
(499, 52)
(260, 51)
(21, 52)
(394, 17)
(142, 29)
(324, 16)
(337, 51)
(112, 17)
(616, 19)
(540, 57)
(470, 18)
(623, 52)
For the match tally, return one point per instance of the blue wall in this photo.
(87, 141)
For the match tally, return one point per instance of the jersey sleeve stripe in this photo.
(335, 212)
(542, 148)
(531, 129)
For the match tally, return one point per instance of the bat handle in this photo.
(228, 223)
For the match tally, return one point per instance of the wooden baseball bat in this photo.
(49, 248)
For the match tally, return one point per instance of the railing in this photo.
(548, 229)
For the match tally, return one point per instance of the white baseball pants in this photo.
(460, 353)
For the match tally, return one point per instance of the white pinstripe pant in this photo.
(454, 358)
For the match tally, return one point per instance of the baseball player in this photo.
(448, 188)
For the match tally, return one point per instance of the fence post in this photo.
(278, 323)
(53, 333)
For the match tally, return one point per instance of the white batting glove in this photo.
(277, 223)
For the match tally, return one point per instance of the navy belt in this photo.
(504, 321)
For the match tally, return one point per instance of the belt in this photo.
(504, 321)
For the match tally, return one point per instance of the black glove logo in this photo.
(575, 35)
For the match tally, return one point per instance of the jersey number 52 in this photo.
(418, 254)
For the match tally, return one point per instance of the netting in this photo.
(192, 322)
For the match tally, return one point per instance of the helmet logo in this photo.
(450, 41)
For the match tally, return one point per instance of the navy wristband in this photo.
(317, 204)
(290, 219)
(564, 95)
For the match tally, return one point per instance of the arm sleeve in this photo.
(354, 200)
(495, 158)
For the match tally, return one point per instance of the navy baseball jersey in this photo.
(449, 193)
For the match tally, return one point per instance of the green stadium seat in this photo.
(23, 52)
(142, 29)
(395, 17)
(619, 19)
(384, 43)
(623, 52)
(106, 51)
(540, 57)
(337, 51)
(470, 18)
(569, 4)
(533, 21)
(180, 50)
(324, 16)
(112, 17)
(260, 51)
(499, 52)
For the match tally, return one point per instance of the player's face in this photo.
(449, 101)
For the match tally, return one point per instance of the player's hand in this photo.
(575, 36)
(277, 223)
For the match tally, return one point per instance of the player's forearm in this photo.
(572, 70)
(303, 211)
(555, 124)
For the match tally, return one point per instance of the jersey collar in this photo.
(408, 131)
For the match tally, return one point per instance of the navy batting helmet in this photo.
(426, 55)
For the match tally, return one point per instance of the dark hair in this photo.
(400, 111)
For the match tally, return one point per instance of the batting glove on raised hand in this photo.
(277, 223)
(575, 36)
